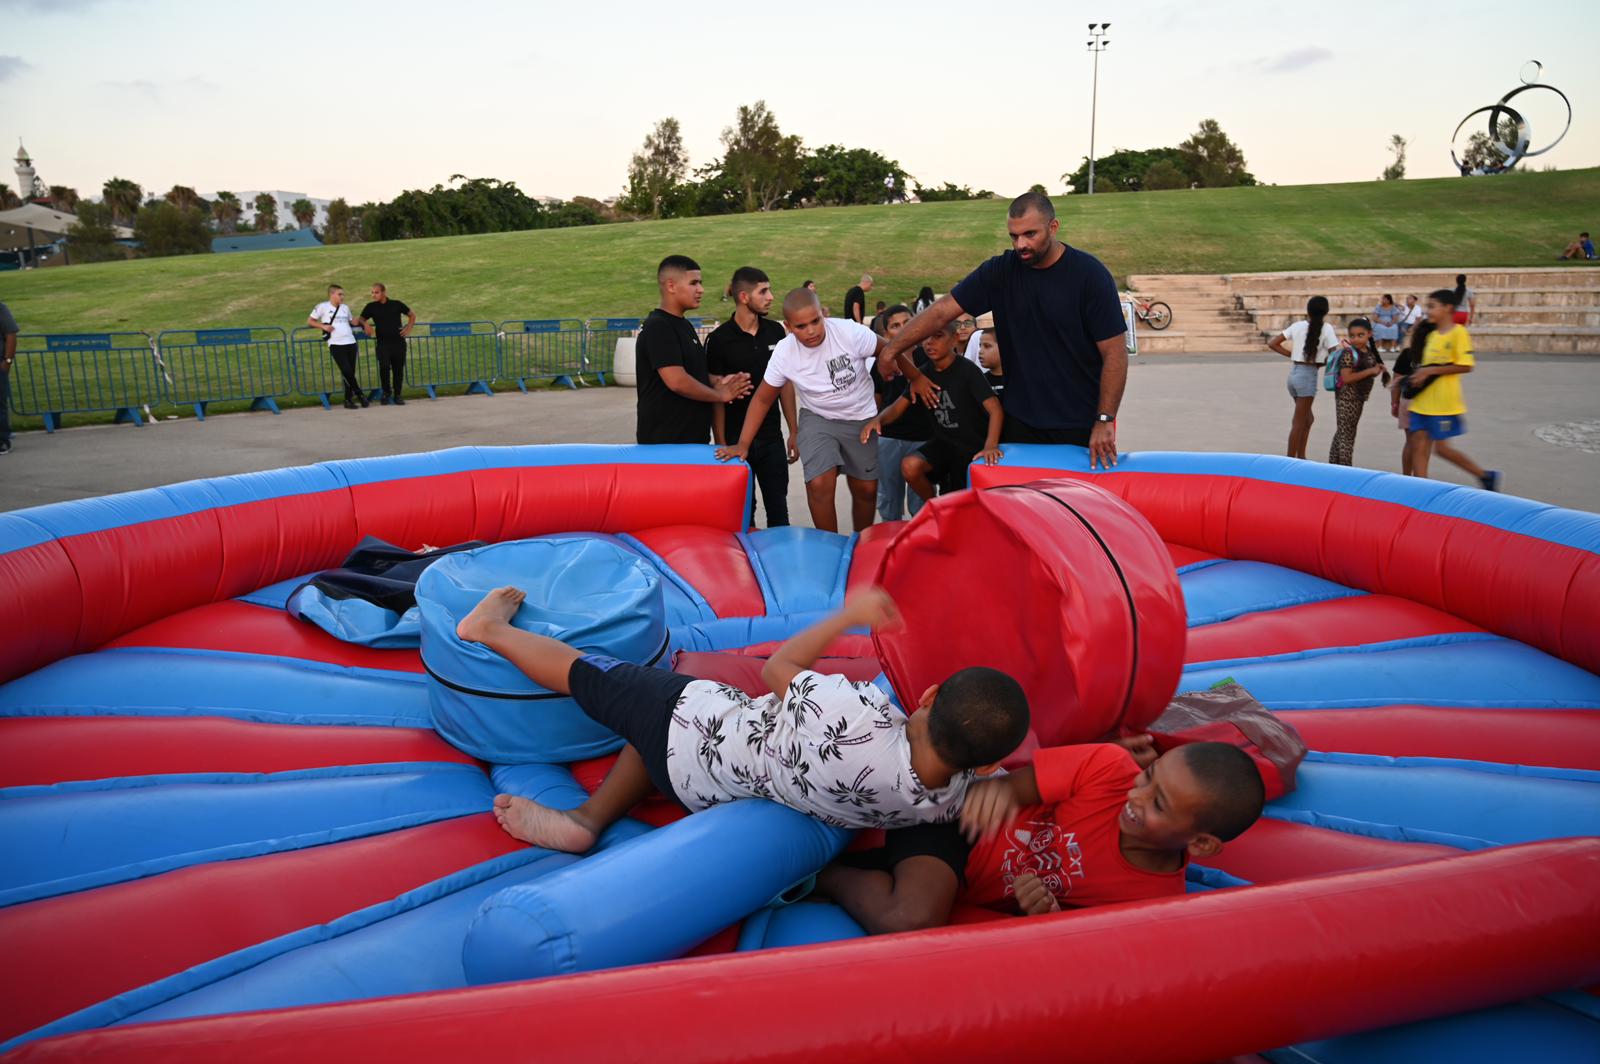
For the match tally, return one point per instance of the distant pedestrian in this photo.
(924, 300)
(811, 286)
(1306, 344)
(1386, 319)
(333, 318)
(1438, 409)
(1358, 363)
(8, 355)
(744, 344)
(676, 389)
(384, 314)
(855, 300)
(1466, 301)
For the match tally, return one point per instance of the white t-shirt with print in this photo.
(1295, 339)
(338, 318)
(833, 379)
(831, 748)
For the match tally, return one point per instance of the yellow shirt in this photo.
(1442, 396)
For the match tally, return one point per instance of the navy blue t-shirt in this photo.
(1048, 323)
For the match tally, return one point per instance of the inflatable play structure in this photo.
(230, 835)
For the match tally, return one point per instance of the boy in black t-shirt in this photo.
(383, 316)
(744, 344)
(966, 421)
(676, 391)
(989, 359)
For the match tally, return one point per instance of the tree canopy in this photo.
(1207, 159)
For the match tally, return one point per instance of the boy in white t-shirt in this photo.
(333, 318)
(829, 747)
(829, 361)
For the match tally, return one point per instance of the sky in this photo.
(363, 100)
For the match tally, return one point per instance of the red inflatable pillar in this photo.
(1059, 583)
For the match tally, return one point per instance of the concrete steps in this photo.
(1205, 315)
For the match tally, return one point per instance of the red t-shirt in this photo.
(1072, 841)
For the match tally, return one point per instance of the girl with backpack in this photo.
(1350, 372)
(1306, 344)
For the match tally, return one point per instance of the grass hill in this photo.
(1511, 220)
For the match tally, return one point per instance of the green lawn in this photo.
(1512, 220)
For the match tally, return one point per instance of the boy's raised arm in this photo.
(871, 607)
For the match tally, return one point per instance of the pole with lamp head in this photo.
(1097, 44)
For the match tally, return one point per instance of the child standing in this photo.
(1437, 411)
(966, 421)
(1359, 362)
(989, 359)
(1306, 344)
(1401, 391)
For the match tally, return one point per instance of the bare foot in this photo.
(497, 608)
(539, 825)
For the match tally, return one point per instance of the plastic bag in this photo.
(1227, 713)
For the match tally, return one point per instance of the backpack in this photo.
(1330, 368)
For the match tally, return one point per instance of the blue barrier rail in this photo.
(204, 366)
(552, 349)
(601, 336)
(314, 374)
(84, 373)
(441, 353)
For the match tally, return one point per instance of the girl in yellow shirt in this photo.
(1438, 408)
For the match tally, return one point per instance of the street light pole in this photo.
(1097, 44)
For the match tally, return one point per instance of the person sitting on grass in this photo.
(1081, 826)
(1581, 248)
(966, 420)
(821, 744)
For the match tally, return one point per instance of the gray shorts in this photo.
(828, 445)
(1304, 379)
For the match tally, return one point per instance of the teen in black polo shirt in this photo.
(1059, 323)
(744, 345)
(384, 314)
(676, 391)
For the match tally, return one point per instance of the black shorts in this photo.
(1015, 430)
(634, 701)
(943, 841)
(948, 462)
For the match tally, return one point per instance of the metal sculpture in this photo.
(1510, 133)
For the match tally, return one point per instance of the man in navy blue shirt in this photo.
(1059, 322)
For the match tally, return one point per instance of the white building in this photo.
(247, 200)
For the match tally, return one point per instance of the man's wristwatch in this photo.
(1108, 419)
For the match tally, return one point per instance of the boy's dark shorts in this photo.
(635, 702)
(948, 463)
(943, 841)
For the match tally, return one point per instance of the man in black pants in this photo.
(676, 392)
(333, 318)
(744, 345)
(384, 314)
(1059, 321)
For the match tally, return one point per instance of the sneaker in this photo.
(365, 402)
(384, 400)
(349, 403)
(5, 446)
(399, 401)
(1490, 480)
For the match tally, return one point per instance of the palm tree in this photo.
(266, 213)
(123, 197)
(304, 212)
(63, 198)
(183, 197)
(226, 209)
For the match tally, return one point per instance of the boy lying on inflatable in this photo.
(821, 744)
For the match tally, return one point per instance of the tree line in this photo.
(1207, 159)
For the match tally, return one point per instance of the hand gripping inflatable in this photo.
(650, 899)
(583, 590)
(1059, 583)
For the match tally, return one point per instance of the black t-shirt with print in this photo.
(916, 424)
(664, 416)
(960, 418)
(730, 349)
(387, 317)
(997, 382)
(856, 298)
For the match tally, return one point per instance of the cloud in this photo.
(1292, 62)
(12, 66)
(157, 90)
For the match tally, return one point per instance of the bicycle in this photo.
(1152, 312)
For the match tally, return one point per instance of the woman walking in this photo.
(1306, 344)
(1466, 301)
(1386, 319)
(1359, 362)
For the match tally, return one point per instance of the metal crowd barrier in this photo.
(600, 341)
(314, 374)
(442, 353)
(84, 373)
(203, 366)
(550, 349)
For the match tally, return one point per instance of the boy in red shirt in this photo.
(1083, 825)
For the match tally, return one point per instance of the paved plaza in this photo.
(1537, 418)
